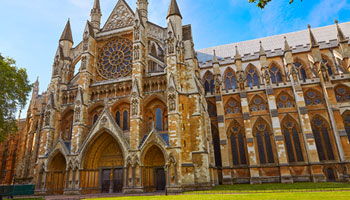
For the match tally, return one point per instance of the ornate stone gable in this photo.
(122, 16)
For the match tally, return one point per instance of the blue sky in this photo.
(30, 29)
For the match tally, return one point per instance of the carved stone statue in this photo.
(47, 118)
(77, 114)
(267, 76)
(134, 105)
(83, 62)
(170, 42)
(137, 30)
(172, 102)
(325, 74)
(136, 53)
(241, 80)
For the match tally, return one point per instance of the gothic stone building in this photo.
(147, 112)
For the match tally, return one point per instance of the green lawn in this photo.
(276, 187)
(255, 196)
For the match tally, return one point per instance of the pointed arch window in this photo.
(238, 147)
(329, 67)
(209, 83)
(301, 70)
(95, 118)
(284, 100)
(159, 119)
(263, 139)
(346, 118)
(275, 74)
(125, 120)
(216, 142)
(257, 104)
(211, 109)
(320, 130)
(230, 80)
(252, 77)
(342, 93)
(313, 97)
(232, 107)
(292, 141)
(117, 118)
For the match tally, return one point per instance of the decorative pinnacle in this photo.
(340, 34)
(286, 45)
(215, 60)
(262, 51)
(313, 41)
(237, 56)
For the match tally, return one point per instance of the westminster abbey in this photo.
(147, 112)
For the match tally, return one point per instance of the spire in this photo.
(341, 36)
(215, 60)
(174, 9)
(237, 56)
(262, 51)
(313, 41)
(67, 33)
(96, 15)
(97, 6)
(142, 7)
(286, 45)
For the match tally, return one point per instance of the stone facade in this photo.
(146, 112)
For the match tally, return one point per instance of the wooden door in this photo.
(106, 180)
(160, 177)
(118, 180)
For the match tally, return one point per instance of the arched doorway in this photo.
(103, 166)
(154, 178)
(330, 174)
(56, 175)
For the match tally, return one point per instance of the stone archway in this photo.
(154, 176)
(102, 166)
(55, 179)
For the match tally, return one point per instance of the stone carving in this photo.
(86, 41)
(134, 105)
(172, 102)
(137, 30)
(77, 114)
(120, 18)
(267, 76)
(324, 73)
(294, 73)
(170, 41)
(47, 118)
(136, 52)
(104, 121)
(241, 80)
(83, 62)
(156, 32)
(218, 83)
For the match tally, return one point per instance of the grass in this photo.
(276, 187)
(255, 196)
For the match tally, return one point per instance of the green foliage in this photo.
(262, 3)
(14, 90)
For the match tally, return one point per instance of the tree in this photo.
(14, 90)
(262, 3)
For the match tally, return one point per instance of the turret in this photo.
(175, 19)
(35, 88)
(314, 47)
(142, 6)
(96, 16)
(66, 40)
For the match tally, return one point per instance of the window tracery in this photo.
(230, 80)
(252, 77)
(292, 141)
(238, 147)
(115, 59)
(342, 93)
(284, 100)
(264, 143)
(323, 144)
(257, 104)
(301, 70)
(232, 107)
(275, 75)
(327, 64)
(211, 110)
(209, 85)
(313, 97)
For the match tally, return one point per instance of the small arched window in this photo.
(313, 97)
(159, 119)
(284, 100)
(257, 104)
(292, 141)
(342, 93)
(95, 118)
(125, 120)
(276, 76)
(209, 83)
(211, 110)
(323, 144)
(117, 118)
(230, 80)
(238, 147)
(346, 118)
(252, 77)
(301, 70)
(232, 106)
(263, 139)
(329, 67)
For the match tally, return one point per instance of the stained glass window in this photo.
(301, 70)
(230, 80)
(263, 140)
(238, 145)
(252, 77)
(313, 97)
(284, 100)
(117, 118)
(125, 120)
(346, 117)
(232, 106)
(257, 104)
(292, 140)
(95, 118)
(209, 83)
(322, 139)
(159, 120)
(115, 59)
(329, 68)
(276, 76)
(342, 93)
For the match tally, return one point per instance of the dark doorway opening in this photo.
(106, 180)
(330, 175)
(118, 180)
(160, 177)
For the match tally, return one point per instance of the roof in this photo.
(173, 9)
(299, 42)
(67, 33)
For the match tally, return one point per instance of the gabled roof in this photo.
(67, 33)
(299, 42)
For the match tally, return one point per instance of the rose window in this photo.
(115, 59)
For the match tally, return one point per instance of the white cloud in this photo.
(323, 11)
